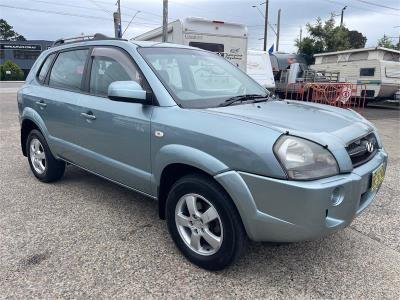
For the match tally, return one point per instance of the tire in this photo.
(222, 240)
(43, 164)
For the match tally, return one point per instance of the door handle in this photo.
(88, 116)
(41, 103)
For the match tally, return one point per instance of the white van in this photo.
(376, 68)
(227, 39)
(260, 69)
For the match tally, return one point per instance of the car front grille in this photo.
(363, 149)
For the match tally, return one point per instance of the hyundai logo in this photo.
(370, 147)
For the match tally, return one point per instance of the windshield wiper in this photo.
(242, 98)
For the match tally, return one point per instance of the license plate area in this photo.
(377, 177)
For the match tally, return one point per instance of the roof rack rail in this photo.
(82, 38)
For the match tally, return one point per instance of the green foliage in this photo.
(7, 32)
(387, 42)
(16, 72)
(327, 37)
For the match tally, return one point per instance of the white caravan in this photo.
(227, 39)
(378, 68)
(260, 69)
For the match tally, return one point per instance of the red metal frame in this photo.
(339, 94)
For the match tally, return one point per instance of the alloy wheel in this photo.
(199, 224)
(37, 156)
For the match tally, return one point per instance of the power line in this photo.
(361, 8)
(73, 15)
(378, 5)
(92, 8)
(132, 9)
(100, 7)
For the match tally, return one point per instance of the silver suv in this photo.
(183, 126)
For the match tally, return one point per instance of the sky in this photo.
(53, 19)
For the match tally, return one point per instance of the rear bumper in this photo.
(289, 211)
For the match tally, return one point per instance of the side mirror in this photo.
(127, 91)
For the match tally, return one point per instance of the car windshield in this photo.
(200, 79)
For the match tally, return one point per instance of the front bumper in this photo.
(288, 211)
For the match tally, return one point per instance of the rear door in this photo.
(63, 87)
(114, 137)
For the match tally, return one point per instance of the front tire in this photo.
(43, 164)
(204, 223)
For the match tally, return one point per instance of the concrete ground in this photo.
(84, 237)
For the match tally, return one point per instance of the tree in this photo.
(7, 32)
(357, 39)
(386, 42)
(327, 37)
(10, 71)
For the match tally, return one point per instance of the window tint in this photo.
(367, 71)
(68, 69)
(45, 67)
(109, 65)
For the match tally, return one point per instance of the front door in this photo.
(114, 136)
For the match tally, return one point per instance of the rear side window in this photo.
(45, 68)
(67, 71)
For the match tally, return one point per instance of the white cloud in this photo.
(370, 20)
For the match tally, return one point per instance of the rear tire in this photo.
(43, 164)
(214, 237)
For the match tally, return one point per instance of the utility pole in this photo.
(117, 21)
(266, 26)
(165, 22)
(341, 17)
(278, 30)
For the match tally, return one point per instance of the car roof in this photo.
(116, 42)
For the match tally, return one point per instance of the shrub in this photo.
(16, 72)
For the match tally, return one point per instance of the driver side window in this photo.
(109, 65)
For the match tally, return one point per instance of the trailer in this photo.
(226, 39)
(376, 68)
(260, 69)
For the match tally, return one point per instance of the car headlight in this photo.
(303, 159)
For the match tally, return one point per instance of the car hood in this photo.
(317, 122)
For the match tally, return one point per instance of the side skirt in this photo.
(109, 179)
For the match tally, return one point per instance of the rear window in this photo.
(45, 67)
(367, 71)
(67, 71)
(218, 48)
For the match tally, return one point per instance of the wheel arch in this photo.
(30, 120)
(175, 161)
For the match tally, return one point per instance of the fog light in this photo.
(337, 196)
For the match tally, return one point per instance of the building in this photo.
(23, 53)
(377, 68)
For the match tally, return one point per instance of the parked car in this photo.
(185, 127)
